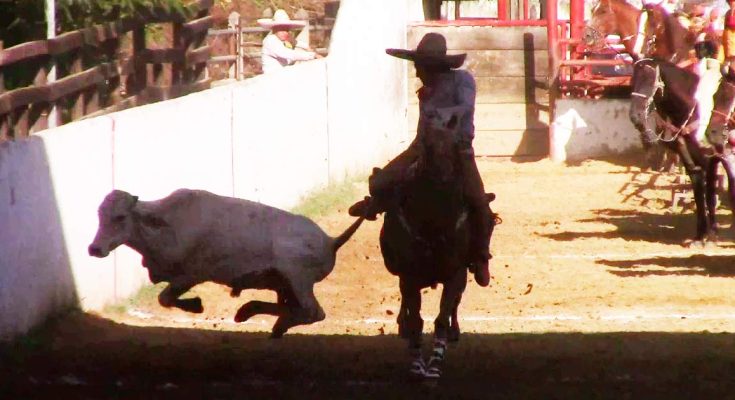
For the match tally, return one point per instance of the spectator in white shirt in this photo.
(278, 50)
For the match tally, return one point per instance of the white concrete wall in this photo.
(367, 88)
(585, 129)
(272, 139)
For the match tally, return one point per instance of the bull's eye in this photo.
(118, 219)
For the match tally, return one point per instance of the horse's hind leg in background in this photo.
(410, 324)
(728, 163)
(445, 325)
(695, 164)
(711, 195)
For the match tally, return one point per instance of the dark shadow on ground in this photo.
(642, 226)
(718, 266)
(83, 356)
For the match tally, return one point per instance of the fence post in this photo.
(4, 119)
(139, 63)
(178, 76)
(233, 22)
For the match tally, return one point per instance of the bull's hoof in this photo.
(277, 333)
(193, 305)
(244, 314)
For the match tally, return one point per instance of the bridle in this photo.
(728, 116)
(597, 35)
(659, 87)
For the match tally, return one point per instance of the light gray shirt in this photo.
(453, 95)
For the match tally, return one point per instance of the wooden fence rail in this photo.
(95, 76)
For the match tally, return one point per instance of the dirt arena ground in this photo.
(593, 296)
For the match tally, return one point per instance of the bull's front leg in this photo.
(169, 297)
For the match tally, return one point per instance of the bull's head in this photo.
(116, 223)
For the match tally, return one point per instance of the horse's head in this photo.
(724, 103)
(439, 142)
(646, 83)
(610, 17)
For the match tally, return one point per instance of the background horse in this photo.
(425, 241)
(660, 36)
(650, 32)
(719, 133)
(662, 86)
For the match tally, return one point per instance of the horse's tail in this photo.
(347, 234)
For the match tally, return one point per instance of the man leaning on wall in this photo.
(279, 50)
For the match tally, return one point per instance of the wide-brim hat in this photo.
(431, 50)
(282, 20)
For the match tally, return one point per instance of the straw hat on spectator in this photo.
(431, 50)
(280, 20)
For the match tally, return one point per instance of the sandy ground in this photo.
(593, 295)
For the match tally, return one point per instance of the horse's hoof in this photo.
(418, 368)
(694, 244)
(711, 243)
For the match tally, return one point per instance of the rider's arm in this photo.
(272, 46)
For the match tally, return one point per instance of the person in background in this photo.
(278, 49)
(728, 34)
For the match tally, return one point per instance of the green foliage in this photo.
(333, 197)
(25, 20)
(77, 14)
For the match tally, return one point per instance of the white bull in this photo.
(194, 236)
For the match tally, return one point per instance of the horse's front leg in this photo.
(410, 324)
(446, 326)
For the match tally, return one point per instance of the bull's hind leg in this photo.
(169, 296)
(301, 307)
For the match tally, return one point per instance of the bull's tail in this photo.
(347, 234)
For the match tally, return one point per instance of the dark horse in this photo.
(425, 242)
(668, 90)
(649, 32)
(719, 133)
(660, 37)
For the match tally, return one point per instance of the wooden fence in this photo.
(96, 76)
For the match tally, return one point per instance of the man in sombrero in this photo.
(278, 51)
(447, 93)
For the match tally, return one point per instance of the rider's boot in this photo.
(479, 218)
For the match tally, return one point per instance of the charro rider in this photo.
(447, 94)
